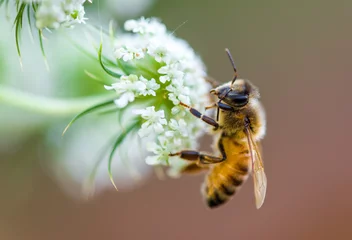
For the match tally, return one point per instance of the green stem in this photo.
(47, 105)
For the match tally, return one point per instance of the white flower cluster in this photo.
(160, 72)
(131, 86)
(56, 13)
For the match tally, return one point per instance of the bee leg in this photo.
(222, 106)
(200, 157)
(205, 118)
(211, 106)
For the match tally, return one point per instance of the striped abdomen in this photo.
(225, 178)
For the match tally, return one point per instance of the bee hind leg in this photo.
(199, 157)
(202, 158)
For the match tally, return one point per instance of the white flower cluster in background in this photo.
(159, 72)
(56, 13)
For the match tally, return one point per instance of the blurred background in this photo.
(299, 55)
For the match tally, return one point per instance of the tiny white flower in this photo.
(159, 53)
(174, 98)
(172, 73)
(178, 110)
(177, 127)
(178, 92)
(129, 53)
(56, 13)
(178, 132)
(131, 77)
(145, 26)
(156, 27)
(127, 88)
(124, 54)
(49, 16)
(161, 151)
(75, 12)
(124, 99)
(185, 99)
(154, 123)
(132, 25)
(151, 86)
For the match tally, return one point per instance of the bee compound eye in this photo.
(240, 100)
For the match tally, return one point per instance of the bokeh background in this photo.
(297, 52)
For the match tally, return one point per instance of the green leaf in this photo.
(95, 78)
(89, 110)
(110, 110)
(88, 186)
(79, 48)
(117, 143)
(35, 6)
(126, 67)
(40, 32)
(119, 117)
(111, 73)
(18, 26)
(30, 22)
(111, 32)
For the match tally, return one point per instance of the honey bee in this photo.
(239, 127)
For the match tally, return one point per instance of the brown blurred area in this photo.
(299, 55)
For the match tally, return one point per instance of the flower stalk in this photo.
(46, 105)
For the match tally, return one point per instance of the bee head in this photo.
(234, 93)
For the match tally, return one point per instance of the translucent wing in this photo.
(259, 178)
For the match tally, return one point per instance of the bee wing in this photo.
(259, 177)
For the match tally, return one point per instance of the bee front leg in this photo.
(203, 117)
(219, 106)
(222, 106)
(214, 105)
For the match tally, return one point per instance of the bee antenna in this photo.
(233, 65)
